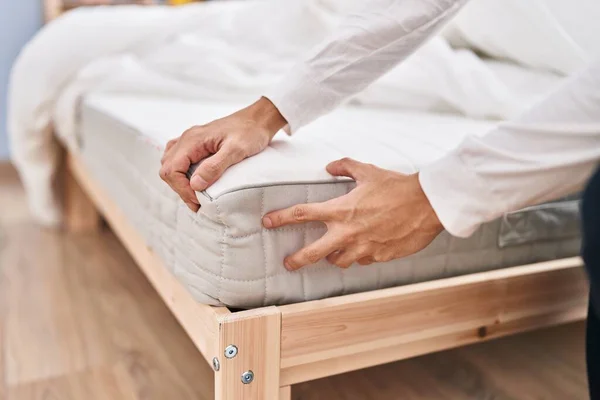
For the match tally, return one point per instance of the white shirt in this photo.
(548, 152)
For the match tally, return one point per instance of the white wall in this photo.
(19, 20)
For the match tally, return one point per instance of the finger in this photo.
(211, 169)
(312, 253)
(350, 168)
(180, 184)
(334, 257)
(192, 206)
(171, 143)
(168, 150)
(298, 214)
(366, 260)
(345, 258)
(174, 173)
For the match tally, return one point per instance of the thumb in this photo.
(211, 168)
(348, 167)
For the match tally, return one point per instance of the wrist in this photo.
(265, 114)
(432, 220)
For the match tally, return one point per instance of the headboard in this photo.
(53, 8)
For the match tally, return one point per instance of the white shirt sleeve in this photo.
(367, 44)
(548, 152)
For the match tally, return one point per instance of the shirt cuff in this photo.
(460, 200)
(299, 100)
(285, 105)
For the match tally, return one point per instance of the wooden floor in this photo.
(79, 321)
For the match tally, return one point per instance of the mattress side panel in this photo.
(253, 253)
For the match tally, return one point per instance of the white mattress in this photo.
(222, 254)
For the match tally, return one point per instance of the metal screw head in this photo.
(231, 351)
(216, 364)
(247, 377)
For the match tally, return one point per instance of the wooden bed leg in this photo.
(249, 356)
(285, 393)
(80, 213)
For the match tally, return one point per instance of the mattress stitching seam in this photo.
(343, 272)
(223, 251)
(275, 275)
(275, 231)
(203, 216)
(269, 231)
(304, 236)
(262, 239)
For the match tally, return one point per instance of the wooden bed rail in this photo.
(325, 337)
(54, 8)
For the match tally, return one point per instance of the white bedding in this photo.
(218, 51)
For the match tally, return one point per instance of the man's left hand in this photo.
(386, 216)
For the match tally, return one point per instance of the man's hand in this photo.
(220, 144)
(386, 216)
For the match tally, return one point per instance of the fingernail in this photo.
(288, 265)
(198, 183)
(267, 223)
(193, 207)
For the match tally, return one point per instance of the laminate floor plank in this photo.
(52, 326)
(101, 384)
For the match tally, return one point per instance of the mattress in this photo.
(223, 256)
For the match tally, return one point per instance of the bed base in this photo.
(80, 213)
(285, 345)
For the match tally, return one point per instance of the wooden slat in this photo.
(52, 9)
(358, 331)
(200, 321)
(68, 5)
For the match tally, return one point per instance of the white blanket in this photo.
(217, 51)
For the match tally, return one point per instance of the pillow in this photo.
(524, 31)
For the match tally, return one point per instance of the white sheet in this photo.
(214, 51)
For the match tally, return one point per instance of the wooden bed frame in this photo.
(285, 345)
(290, 344)
(54, 8)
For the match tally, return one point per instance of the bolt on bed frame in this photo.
(260, 353)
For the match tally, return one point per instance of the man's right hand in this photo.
(220, 144)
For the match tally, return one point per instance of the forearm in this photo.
(367, 44)
(548, 152)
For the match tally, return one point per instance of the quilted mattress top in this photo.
(368, 135)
